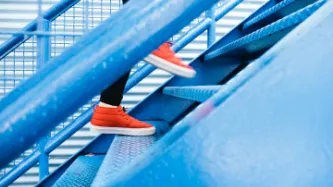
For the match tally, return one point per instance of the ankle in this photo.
(101, 104)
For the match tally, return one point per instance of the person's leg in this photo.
(113, 95)
(109, 117)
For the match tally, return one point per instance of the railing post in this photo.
(86, 15)
(43, 43)
(43, 159)
(211, 34)
(43, 55)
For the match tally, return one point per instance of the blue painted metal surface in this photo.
(178, 130)
(190, 35)
(147, 69)
(85, 117)
(50, 15)
(170, 109)
(195, 93)
(180, 43)
(144, 71)
(208, 68)
(81, 173)
(184, 40)
(61, 80)
(43, 158)
(226, 8)
(276, 126)
(208, 74)
(20, 169)
(38, 33)
(173, 135)
(46, 34)
(52, 144)
(236, 32)
(281, 9)
(123, 150)
(247, 43)
(92, 148)
(43, 55)
(67, 132)
(212, 28)
(21, 62)
(43, 44)
(211, 73)
(134, 79)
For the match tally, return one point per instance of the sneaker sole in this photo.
(122, 131)
(169, 67)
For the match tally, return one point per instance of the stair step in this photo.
(282, 9)
(265, 37)
(124, 149)
(195, 93)
(81, 173)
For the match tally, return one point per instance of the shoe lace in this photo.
(125, 115)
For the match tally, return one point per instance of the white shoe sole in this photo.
(122, 131)
(170, 67)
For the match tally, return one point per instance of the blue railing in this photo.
(35, 29)
(20, 55)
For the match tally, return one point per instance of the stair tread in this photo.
(195, 93)
(284, 7)
(125, 149)
(81, 173)
(265, 33)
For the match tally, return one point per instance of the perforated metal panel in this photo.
(81, 173)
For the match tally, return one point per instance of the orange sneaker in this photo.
(164, 58)
(116, 121)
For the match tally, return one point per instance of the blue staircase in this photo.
(220, 128)
(181, 96)
(273, 129)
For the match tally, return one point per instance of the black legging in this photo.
(114, 93)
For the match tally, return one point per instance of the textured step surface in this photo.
(81, 173)
(281, 9)
(123, 150)
(265, 37)
(195, 93)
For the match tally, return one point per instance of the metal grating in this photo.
(81, 173)
(17, 66)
